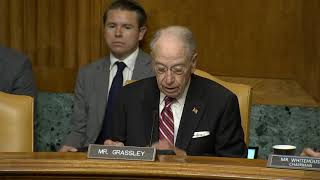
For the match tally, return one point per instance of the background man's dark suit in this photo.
(16, 73)
(90, 98)
(208, 107)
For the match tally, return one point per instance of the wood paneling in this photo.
(283, 92)
(30, 30)
(4, 21)
(248, 38)
(59, 36)
(308, 70)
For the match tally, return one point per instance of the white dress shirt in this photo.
(176, 107)
(128, 70)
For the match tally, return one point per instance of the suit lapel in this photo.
(192, 112)
(101, 82)
(141, 66)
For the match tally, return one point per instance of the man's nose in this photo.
(169, 77)
(118, 32)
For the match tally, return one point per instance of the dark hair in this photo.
(129, 5)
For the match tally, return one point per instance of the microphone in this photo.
(155, 117)
(83, 149)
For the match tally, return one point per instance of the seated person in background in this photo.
(177, 109)
(310, 152)
(16, 75)
(98, 83)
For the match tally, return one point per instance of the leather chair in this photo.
(16, 119)
(243, 93)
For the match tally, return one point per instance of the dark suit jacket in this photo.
(217, 108)
(16, 73)
(90, 96)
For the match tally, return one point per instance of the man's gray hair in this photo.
(181, 32)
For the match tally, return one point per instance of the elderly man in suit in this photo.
(177, 109)
(16, 75)
(98, 83)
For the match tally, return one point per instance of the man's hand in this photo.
(162, 145)
(113, 143)
(310, 152)
(68, 149)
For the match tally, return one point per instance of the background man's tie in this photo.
(116, 85)
(166, 125)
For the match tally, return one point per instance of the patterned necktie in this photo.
(116, 85)
(166, 125)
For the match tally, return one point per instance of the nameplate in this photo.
(96, 151)
(293, 162)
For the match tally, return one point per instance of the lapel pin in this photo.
(195, 110)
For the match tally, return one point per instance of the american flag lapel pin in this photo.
(195, 110)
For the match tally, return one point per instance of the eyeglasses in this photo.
(177, 69)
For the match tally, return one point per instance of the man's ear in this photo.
(153, 61)
(142, 32)
(194, 62)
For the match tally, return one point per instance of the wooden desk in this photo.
(48, 165)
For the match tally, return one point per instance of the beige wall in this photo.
(248, 38)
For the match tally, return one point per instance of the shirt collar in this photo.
(129, 61)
